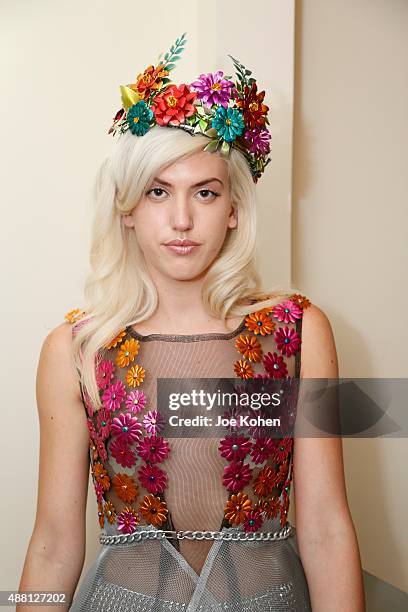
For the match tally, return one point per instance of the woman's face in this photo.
(189, 199)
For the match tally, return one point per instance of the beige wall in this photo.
(350, 230)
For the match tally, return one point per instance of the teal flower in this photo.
(139, 116)
(228, 122)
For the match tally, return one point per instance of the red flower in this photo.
(236, 475)
(282, 449)
(253, 520)
(252, 106)
(174, 105)
(275, 365)
(152, 478)
(153, 449)
(287, 340)
(262, 449)
(234, 447)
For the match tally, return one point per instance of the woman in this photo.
(182, 515)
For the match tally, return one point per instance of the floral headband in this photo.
(230, 114)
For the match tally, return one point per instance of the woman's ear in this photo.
(233, 217)
(128, 220)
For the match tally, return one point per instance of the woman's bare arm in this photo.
(326, 537)
(56, 550)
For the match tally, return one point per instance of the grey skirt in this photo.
(153, 576)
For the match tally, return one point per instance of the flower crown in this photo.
(230, 114)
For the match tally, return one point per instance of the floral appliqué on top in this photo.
(133, 438)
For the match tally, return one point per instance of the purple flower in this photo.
(258, 141)
(135, 401)
(153, 422)
(212, 89)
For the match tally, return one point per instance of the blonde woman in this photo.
(174, 293)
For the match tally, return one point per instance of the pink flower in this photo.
(287, 312)
(287, 340)
(104, 373)
(122, 453)
(98, 491)
(253, 520)
(236, 475)
(104, 421)
(153, 422)
(152, 478)
(153, 449)
(99, 443)
(234, 447)
(91, 428)
(135, 401)
(262, 449)
(114, 395)
(127, 428)
(275, 365)
(126, 521)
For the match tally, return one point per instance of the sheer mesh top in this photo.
(143, 478)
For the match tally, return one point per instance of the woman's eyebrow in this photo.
(204, 182)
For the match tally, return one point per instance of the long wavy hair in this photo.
(118, 290)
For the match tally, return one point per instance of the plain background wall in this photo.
(341, 237)
(350, 230)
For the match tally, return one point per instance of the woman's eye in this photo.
(208, 191)
(155, 189)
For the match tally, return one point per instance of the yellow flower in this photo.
(115, 341)
(127, 352)
(74, 315)
(135, 376)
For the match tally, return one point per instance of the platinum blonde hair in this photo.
(118, 290)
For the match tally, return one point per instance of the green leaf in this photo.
(225, 148)
(203, 124)
(212, 146)
(169, 66)
(211, 132)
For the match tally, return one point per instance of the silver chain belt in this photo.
(159, 534)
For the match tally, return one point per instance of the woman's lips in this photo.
(182, 250)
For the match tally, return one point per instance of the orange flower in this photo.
(115, 341)
(149, 80)
(110, 512)
(272, 507)
(127, 352)
(93, 450)
(259, 323)
(74, 315)
(300, 300)
(101, 475)
(249, 347)
(264, 482)
(153, 509)
(243, 369)
(135, 376)
(283, 472)
(237, 507)
(125, 487)
(101, 516)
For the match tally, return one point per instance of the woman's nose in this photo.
(182, 214)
